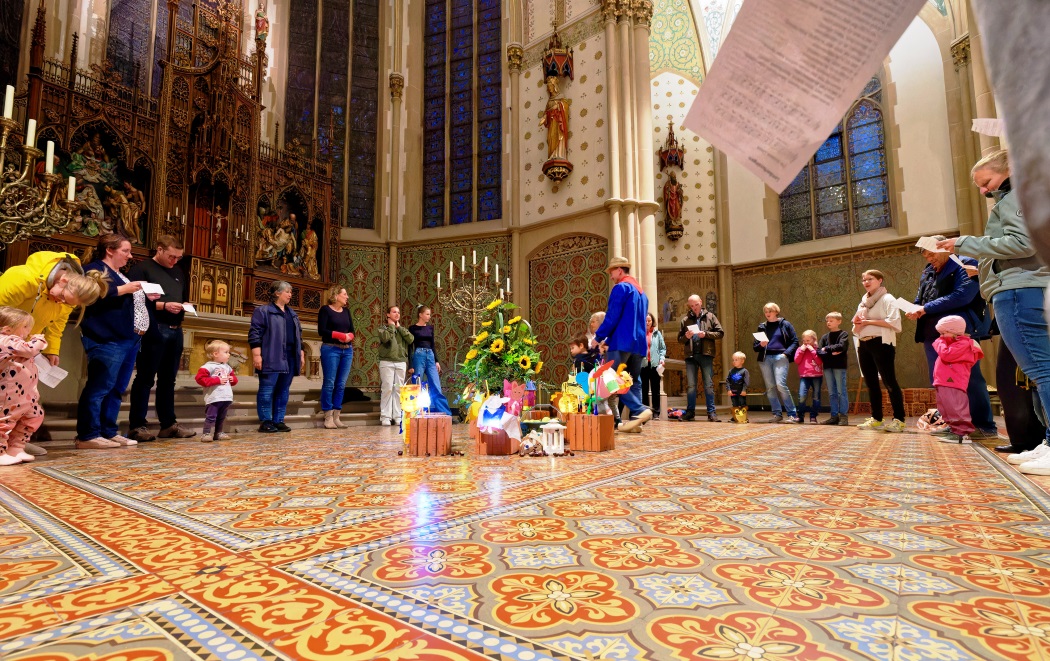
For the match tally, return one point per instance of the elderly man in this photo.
(623, 333)
(945, 288)
(699, 354)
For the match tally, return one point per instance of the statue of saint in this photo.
(308, 254)
(556, 119)
(673, 199)
(125, 214)
(216, 250)
(262, 24)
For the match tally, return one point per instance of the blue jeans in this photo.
(775, 374)
(424, 364)
(109, 369)
(335, 369)
(976, 392)
(632, 399)
(706, 368)
(1024, 329)
(272, 400)
(806, 385)
(838, 390)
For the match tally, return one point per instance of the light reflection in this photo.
(495, 487)
(421, 507)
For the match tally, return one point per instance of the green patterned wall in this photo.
(363, 271)
(807, 290)
(417, 268)
(673, 41)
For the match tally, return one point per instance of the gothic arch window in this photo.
(462, 106)
(844, 187)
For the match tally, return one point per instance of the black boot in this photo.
(833, 420)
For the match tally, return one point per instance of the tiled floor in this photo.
(692, 541)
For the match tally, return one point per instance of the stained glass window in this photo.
(363, 116)
(128, 45)
(844, 188)
(302, 74)
(462, 112)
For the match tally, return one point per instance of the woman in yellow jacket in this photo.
(49, 286)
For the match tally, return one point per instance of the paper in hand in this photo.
(929, 244)
(48, 374)
(907, 307)
(761, 337)
(152, 288)
(694, 329)
(188, 307)
(955, 258)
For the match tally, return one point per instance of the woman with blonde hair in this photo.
(336, 328)
(875, 325)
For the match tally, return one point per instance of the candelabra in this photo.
(470, 291)
(31, 203)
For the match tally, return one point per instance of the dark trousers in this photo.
(159, 360)
(876, 359)
(651, 382)
(1022, 424)
(738, 400)
(215, 414)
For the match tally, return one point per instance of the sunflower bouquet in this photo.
(504, 350)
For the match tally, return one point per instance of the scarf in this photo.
(629, 279)
(870, 300)
(649, 344)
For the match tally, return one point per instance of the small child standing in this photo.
(834, 354)
(811, 375)
(217, 378)
(956, 355)
(738, 381)
(583, 359)
(22, 414)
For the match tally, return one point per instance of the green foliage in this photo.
(505, 349)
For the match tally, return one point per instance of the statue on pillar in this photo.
(262, 23)
(556, 119)
(673, 198)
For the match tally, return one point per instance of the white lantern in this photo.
(553, 438)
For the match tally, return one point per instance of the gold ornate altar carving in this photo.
(190, 162)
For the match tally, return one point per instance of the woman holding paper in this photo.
(775, 344)
(875, 326)
(111, 332)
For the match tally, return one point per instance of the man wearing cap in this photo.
(945, 288)
(623, 333)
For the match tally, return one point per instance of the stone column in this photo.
(983, 96)
(397, 87)
(971, 209)
(613, 204)
(625, 71)
(647, 206)
(515, 57)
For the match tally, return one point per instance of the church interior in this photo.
(445, 153)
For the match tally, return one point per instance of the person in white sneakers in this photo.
(394, 342)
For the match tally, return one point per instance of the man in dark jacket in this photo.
(946, 289)
(699, 354)
(623, 332)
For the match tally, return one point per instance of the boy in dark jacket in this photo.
(833, 350)
(737, 382)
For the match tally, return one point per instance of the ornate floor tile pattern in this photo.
(692, 541)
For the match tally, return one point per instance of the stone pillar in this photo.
(615, 208)
(983, 96)
(647, 206)
(626, 107)
(613, 204)
(393, 229)
(515, 57)
(391, 277)
(971, 207)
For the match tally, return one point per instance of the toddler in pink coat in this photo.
(19, 397)
(811, 375)
(956, 355)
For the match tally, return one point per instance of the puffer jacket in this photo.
(25, 287)
(705, 346)
(955, 358)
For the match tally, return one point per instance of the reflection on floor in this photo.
(692, 541)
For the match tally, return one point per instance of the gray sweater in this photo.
(1005, 254)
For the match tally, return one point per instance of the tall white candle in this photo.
(474, 256)
(439, 280)
(497, 273)
(71, 194)
(508, 284)
(176, 212)
(463, 263)
(31, 133)
(9, 102)
(486, 270)
(49, 164)
(501, 293)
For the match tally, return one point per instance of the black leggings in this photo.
(651, 382)
(1022, 424)
(876, 359)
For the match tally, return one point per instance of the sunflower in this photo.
(497, 346)
(525, 363)
(538, 366)
(494, 304)
(472, 354)
(528, 340)
(505, 330)
(486, 324)
(481, 337)
(514, 320)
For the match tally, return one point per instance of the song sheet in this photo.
(787, 73)
(48, 374)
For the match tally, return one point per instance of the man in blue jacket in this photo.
(623, 333)
(945, 288)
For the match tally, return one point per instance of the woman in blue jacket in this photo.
(775, 355)
(276, 340)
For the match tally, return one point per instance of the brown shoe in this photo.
(142, 434)
(711, 417)
(175, 431)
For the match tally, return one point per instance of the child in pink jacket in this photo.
(20, 412)
(811, 375)
(956, 355)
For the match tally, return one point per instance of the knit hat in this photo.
(953, 324)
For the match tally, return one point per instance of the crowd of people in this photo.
(127, 327)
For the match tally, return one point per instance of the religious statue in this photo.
(216, 251)
(556, 119)
(266, 248)
(308, 254)
(673, 206)
(262, 23)
(125, 214)
(138, 203)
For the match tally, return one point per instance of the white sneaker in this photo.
(206, 437)
(385, 423)
(894, 426)
(1030, 455)
(1040, 466)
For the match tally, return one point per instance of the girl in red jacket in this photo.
(956, 355)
